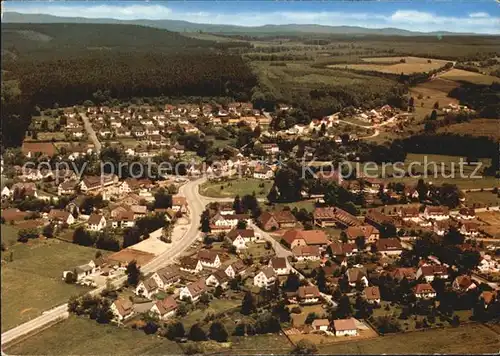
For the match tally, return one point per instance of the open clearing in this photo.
(32, 283)
(79, 336)
(235, 187)
(394, 66)
(481, 199)
(471, 77)
(9, 234)
(447, 340)
(431, 92)
(128, 254)
(477, 127)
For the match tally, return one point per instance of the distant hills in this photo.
(266, 30)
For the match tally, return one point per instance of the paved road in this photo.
(196, 206)
(91, 132)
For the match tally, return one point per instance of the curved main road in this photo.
(196, 207)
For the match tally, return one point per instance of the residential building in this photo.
(277, 220)
(463, 284)
(194, 290)
(165, 308)
(436, 213)
(166, 277)
(280, 265)
(122, 309)
(370, 233)
(389, 247)
(345, 327)
(333, 216)
(209, 259)
(265, 278)
(190, 264)
(179, 204)
(240, 237)
(424, 291)
(218, 278)
(96, 222)
(147, 288)
(61, 217)
(235, 269)
(308, 295)
(372, 295)
(429, 272)
(357, 275)
(307, 253)
(293, 238)
(320, 324)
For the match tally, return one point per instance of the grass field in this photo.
(482, 199)
(8, 234)
(32, 283)
(216, 306)
(234, 187)
(467, 339)
(394, 66)
(478, 127)
(79, 336)
(470, 77)
(440, 172)
(430, 92)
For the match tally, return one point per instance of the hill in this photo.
(185, 26)
(58, 37)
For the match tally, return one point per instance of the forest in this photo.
(65, 64)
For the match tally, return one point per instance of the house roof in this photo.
(57, 214)
(336, 214)
(166, 305)
(179, 201)
(409, 211)
(320, 322)
(197, 288)
(467, 212)
(124, 306)
(308, 291)
(390, 244)
(94, 219)
(372, 293)
(207, 256)
(311, 237)
(362, 230)
(404, 272)
(378, 218)
(245, 233)
(488, 296)
(284, 216)
(356, 274)
(437, 210)
(265, 217)
(344, 324)
(168, 274)
(43, 147)
(238, 266)
(188, 262)
(278, 262)
(463, 281)
(431, 270)
(268, 272)
(341, 249)
(220, 275)
(150, 284)
(423, 288)
(306, 251)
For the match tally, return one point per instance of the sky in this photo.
(479, 16)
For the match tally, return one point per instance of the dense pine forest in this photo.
(45, 64)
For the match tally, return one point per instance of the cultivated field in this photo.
(235, 187)
(32, 283)
(8, 234)
(477, 127)
(467, 339)
(482, 199)
(394, 65)
(471, 77)
(490, 217)
(430, 92)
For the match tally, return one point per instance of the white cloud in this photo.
(405, 19)
(479, 14)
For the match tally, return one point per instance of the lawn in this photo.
(9, 234)
(394, 66)
(460, 75)
(79, 336)
(482, 199)
(439, 169)
(477, 127)
(469, 339)
(241, 186)
(32, 283)
(257, 250)
(298, 320)
(304, 204)
(216, 306)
